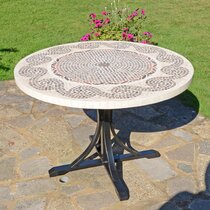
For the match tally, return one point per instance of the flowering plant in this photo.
(119, 24)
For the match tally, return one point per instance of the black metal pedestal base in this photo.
(107, 153)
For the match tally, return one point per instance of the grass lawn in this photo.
(183, 26)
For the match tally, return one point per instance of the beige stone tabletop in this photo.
(103, 75)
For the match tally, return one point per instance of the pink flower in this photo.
(97, 34)
(104, 13)
(134, 14)
(107, 20)
(130, 36)
(125, 29)
(93, 15)
(86, 37)
(130, 17)
(98, 25)
(124, 35)
(143, 12)
(148, 34)
(97, 21)
(143, 42)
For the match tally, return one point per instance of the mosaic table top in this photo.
(103, 74)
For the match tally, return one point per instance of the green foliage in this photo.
(118, 23)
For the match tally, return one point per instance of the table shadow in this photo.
(10, 49)
(6, 50)
(165, 115)
(187, 200)
(157, 117)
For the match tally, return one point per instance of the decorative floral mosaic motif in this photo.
(107, 69)
(104, 66)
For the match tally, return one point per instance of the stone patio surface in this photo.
(34, 136)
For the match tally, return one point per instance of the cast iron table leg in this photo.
(112, 162)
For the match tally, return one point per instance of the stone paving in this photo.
(34, 136)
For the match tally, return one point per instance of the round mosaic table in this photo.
(104, 75)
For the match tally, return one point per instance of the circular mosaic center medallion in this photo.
(104, 66)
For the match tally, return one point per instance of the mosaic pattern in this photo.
(113, 70)
(38, 59)
(59, 50)
(104, 66)
(175, 70)
(88, 45)
(160, 83)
